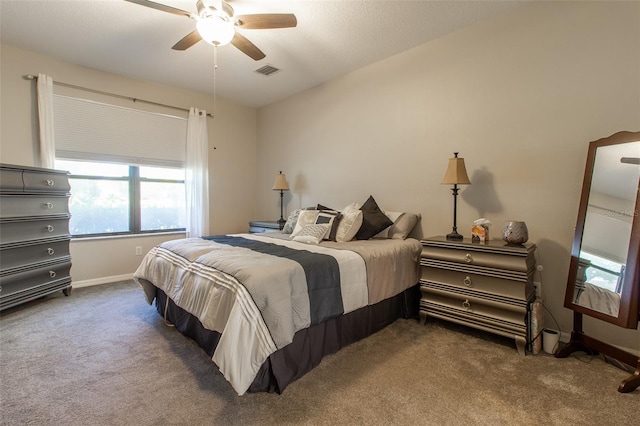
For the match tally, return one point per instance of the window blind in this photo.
(90, 130)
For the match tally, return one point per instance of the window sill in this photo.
(117, 237)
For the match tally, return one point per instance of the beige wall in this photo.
(520, 97)
(232, 150)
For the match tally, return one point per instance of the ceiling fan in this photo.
(216, 24)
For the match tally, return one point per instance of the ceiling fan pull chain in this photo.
(215, 69)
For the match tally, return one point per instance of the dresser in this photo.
(256, 227)
(488, 286)
(34, 234)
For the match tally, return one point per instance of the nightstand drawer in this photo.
(500, 324)
(256, 227)
(432, 291)
(466, 280)
(259, 229)
(478, 257)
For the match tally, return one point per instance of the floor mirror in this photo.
(604, 272)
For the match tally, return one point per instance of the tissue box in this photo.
(479, 234)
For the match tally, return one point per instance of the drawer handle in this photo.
(49, 182)
(468, 258)
(52, 274)
(49, 205)
(50, 251)
(49, 228)
(467, 281)
(466, 304)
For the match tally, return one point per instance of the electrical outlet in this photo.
(538, 289)
(138, 251)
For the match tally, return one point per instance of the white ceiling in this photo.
(332, 38)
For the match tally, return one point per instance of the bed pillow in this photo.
(305, 217)
(349, 223)
(331, 218)
(291, 222)
(373, 220)
(403, 224)
(312, 234)
(290, 225)
(322, 207)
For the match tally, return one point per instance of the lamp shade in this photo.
(456, 172)
(281, 183)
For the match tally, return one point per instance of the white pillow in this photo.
(312, 234)
(306, 217)
(349, 224)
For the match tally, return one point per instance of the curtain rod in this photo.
(115, 95)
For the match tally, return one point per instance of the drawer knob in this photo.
(468, 258)
(466, 304)
(49, 205)
(49, 182)
(467, 281)
(52, 274)
(50, 251)
(49, 228)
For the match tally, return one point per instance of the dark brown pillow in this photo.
(373, 220)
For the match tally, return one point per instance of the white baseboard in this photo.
(101, 280)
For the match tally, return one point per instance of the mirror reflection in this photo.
(607, 227)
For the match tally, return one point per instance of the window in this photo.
(603, 272)
(114, 199)
(127, 167)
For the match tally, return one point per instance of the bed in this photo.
(267, 307)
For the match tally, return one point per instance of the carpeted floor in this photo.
(104, 357)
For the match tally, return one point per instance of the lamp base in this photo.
(454, 236)
(281, 223)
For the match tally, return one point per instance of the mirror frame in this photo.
(630, 294)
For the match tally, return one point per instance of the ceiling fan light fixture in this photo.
(215, 30)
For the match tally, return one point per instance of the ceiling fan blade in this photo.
(263, 21)
(245, 46)
(188, 41)
(161, 7)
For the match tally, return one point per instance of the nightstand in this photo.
(256, 227)
(488, 286)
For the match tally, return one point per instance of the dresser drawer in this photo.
(33, 283)
(467, 280)
(45, 182)
(17, 257)
(35, 277)
(428, 289)
(478, 257)
(13, 231)
(33, 205)
(11, 180)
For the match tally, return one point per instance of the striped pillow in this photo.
(331, 218)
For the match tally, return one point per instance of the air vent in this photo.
(267, 70)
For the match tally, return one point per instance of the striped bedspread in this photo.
(257, 291)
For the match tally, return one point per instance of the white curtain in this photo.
(197, 174)
(45, 116)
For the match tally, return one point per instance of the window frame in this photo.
(135, 209)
